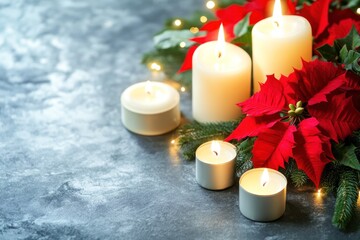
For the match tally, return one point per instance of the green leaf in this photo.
(349, 158)
(337, 52)
(172, 38)
(245, 41)
(328, 52)
(241, 28)
(226, 3)
(351, 61)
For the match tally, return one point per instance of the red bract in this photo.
(317, 15)
(327, 112)
(340, 24)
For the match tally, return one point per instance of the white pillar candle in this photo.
(150, 108)
(278, 45)
(215, 165)
(262, 194)
(221, 78)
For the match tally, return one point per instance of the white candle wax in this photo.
(150, 108)
(261, 201)
(219, 82)
(278, 49)
(215, 169)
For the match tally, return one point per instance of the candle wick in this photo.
(216, 153)
(264, 184)
(219, 54)
(277, 23)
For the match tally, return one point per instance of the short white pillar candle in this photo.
(150, 108)
(278, 45)
(215, 165)
(262, 194)
(221, 78)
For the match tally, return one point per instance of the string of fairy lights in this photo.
(156, 67)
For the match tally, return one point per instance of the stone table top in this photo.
(70, 170)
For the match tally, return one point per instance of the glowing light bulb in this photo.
(319, 192)
(210, 4)
(358, 10)
(194, 29)
(173, 141)
(182, 44)
(203, 19)
(177, 22)
(155, 66)
(183, 89)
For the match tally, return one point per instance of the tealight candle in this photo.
(278, 45)
(150, 108)
(262, 194)
(215, 165)
(221, 78)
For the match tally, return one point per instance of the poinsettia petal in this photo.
(336, 31)
(231, 14)
(338, 118)
(308, 151)
(251, 126)
(274, 146)
(352, 81)
(317, 14)
(332, 85)
(267, 101)
(316, 79)
(187, 64)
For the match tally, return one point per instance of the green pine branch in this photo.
(347, 195)
(192, 135)
(243, 158)
(297, 176)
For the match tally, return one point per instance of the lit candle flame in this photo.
(265, 177)
(148, 87)
(215, 148)
(277, 15)
(220, 45)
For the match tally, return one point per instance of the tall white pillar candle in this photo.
(278, 45)
(221, 79)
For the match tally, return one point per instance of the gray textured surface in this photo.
(69, 170)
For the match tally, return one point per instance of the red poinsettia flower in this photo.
(297, 116)
(340, 24)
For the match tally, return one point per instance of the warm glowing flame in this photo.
(220, 45)
(277, 15)
(265, 177)
(148, 87)
(215, 148)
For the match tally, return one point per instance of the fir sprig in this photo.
(192, 135)
(347, 195)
